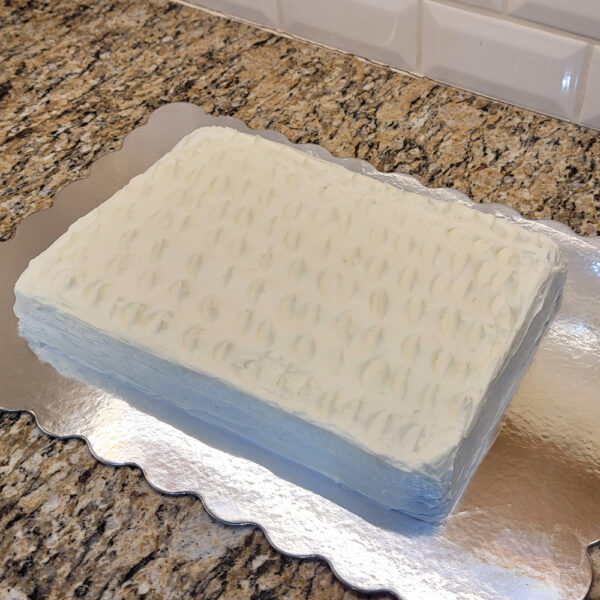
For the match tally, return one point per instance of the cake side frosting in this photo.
(378, 314)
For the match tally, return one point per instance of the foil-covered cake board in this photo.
(522, 529)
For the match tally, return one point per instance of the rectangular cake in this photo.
(365, 332)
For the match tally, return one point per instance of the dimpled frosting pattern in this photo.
(369, 311)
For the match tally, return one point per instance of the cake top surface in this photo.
(379, 314)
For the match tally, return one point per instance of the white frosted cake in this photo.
(368, 333)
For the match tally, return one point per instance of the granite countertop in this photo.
(76, 78)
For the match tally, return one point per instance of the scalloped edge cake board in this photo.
(520, 531)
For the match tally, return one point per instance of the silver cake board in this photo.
(521, 530)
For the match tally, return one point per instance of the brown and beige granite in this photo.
(75, 528)
(76, 77)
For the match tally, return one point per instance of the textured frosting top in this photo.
(379, 314)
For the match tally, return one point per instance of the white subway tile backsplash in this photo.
(496, 5)
(383, 30)
(262, 12)
(578, 16)
(511, 62)
(590, 112)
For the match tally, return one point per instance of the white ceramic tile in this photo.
(503, 60)
(496, 5)
(262, 12)
(383, 30)
(578, 16)
(590, 113)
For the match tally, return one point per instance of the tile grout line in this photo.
(586, 75)
(420, 17)
(279, 11)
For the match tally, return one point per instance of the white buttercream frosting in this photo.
(375, 313)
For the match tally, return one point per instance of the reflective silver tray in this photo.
(521, 530)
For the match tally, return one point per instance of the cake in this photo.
(368, 333)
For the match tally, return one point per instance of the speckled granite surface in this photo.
(74, 528)
(77, 76)
(75, 79)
